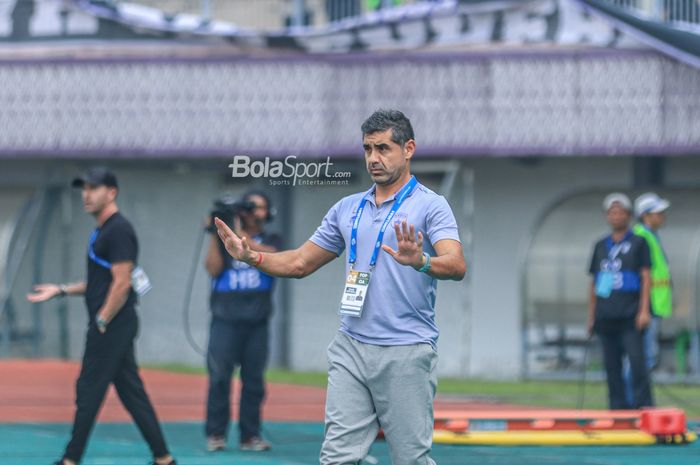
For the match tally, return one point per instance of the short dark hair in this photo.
(257, 192)
(271, 211)
(382, 120)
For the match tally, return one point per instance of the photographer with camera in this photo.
(241, 305)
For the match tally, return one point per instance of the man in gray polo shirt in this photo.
(382, 361)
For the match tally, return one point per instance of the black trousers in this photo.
(231, 344)
(617, 340)
(109, 358)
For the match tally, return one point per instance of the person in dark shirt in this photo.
(619, 303)
(241, 305)
(111, 302)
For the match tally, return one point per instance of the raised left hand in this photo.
(410, 246)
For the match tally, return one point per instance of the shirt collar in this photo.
(369, 194)
(625, 237)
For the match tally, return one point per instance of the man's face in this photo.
(618, 217)
(259, 214)
(386, 160)
(655, 220)
(96, 198)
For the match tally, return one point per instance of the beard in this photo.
(94, 209)
(384, 177)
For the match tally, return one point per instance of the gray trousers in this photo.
(372, 386)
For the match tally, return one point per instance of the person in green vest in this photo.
(373, 5)
(650, 209)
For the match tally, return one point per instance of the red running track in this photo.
(44, 391)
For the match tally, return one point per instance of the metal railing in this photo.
(270, 14)
(16, 254)
(666, 11)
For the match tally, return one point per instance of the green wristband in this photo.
(426, 266)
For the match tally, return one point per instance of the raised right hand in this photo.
(236, 246)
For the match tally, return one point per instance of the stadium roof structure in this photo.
(411, 26)
(418, 25)
(515, 103)
(674, 30)
(547, 79)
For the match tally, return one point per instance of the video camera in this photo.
(226, 208)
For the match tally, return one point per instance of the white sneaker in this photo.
(255, 444)
(215, 443)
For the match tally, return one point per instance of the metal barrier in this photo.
(665, 11)
(24, 218)
(14, 245)
(273, 14)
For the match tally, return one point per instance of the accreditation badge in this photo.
(355, 293)
(605, 284)
(140, 281)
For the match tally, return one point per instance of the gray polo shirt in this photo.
(400, 304)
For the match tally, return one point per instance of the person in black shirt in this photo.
(241, 304)
(111, 302)
(619, 303)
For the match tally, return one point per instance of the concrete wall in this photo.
(479, 318)
(314, 300)
(510, 195)
(167, 203)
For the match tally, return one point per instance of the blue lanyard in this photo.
(398, 200)
(91, 251)
(614, 248)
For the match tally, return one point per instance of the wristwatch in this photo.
(62, 290)
(101, 323)
(426, 266)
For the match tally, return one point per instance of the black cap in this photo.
(96, 176)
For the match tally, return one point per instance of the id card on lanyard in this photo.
(604, 284)
(357, 282)
(610, 278)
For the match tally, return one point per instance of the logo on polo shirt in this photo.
(400, 217)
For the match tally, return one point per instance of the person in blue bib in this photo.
(114, 282)
(401, 238)
(241, 306)
(619, 303)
